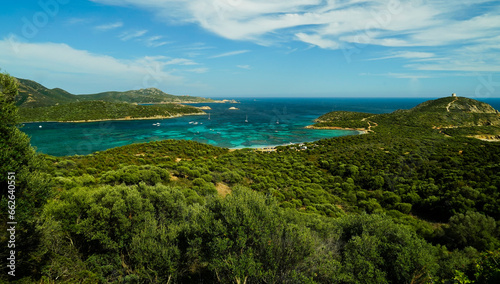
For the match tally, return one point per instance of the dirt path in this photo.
(449, 105)
(370, 126)
(369, 129)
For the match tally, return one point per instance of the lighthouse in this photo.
(454, 95)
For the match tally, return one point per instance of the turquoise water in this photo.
(270, 122)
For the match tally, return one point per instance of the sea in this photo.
(256, 123)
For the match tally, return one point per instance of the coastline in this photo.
(194, 102)
(120, 119)
(360, 130)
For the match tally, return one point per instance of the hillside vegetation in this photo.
(99, 110)
(33, 94)
(450, 116)
(402, 204)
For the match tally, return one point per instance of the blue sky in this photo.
(235, 48)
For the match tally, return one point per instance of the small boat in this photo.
(191, 122)
(39, 126)
(246, 119)
(208, 116)
(195, 123)
(277, 122)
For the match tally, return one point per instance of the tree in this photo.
(248, 240)
(472, 229)
(31, 188)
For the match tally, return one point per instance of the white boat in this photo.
(208, 116)
(246, 119)
(277, 122)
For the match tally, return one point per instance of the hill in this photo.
(453, 116)
(33, 94)
(99, 110)
(143, 96)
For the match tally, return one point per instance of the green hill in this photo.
(143, 96)
(33, 94)
(454, 116)
(344, 119)
(99, 110)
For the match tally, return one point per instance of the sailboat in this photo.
(277, 121)
(246, 119)
(208, 116)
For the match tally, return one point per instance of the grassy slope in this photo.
(98, 110)
(460, 116)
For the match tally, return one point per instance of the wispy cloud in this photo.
(247, 67)
(348, 24)
(198, 70)
(231, 53)
(155, 41)
(407, 55)
(110, 26)
(180, 61)
(126, 36)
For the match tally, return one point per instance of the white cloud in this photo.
(110, 26)
(180, 61)
(247, 67)
(231, 53)
(85, 72)
(407, 55)
(329, 24)
(318, 40)
(155, 41)
(198, 70)
(125, 36)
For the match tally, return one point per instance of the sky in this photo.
(256, 48)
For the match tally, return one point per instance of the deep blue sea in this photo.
(257, 122)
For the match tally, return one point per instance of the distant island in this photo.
(37, 103)
(450, 116)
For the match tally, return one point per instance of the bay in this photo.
(258, 122)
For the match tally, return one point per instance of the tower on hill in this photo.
(454, 95)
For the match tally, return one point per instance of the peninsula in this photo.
(450, 116)
(39, 104)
